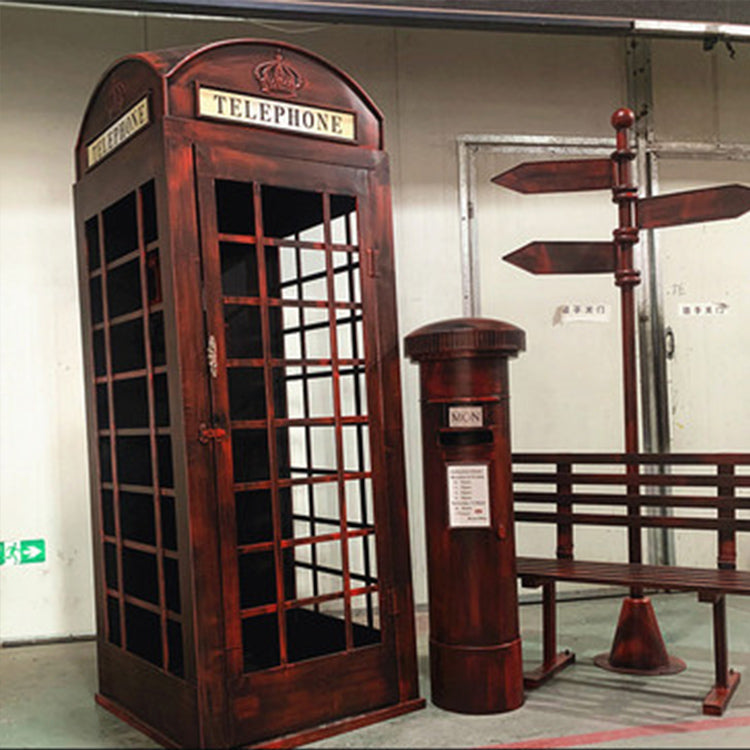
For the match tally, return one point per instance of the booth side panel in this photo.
(143, 602)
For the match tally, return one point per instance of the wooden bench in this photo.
(648, 490)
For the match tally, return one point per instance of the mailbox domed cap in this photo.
(465, 337)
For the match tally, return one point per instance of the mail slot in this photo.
(475, 646)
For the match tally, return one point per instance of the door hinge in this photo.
(212, 356)
(206, 433)
(371, 267)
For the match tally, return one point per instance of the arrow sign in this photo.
(692, 206)
(565, 257)
(558, 176)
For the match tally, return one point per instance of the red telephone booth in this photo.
(236, 273)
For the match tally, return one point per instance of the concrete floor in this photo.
(46, 693)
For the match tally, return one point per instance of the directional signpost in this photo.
(616, 256)
(23, 552)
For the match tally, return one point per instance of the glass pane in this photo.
(161, 401)
(344, 220)
(243, 332)
(153, 277)
(287, 211)
(359, 509)
(250, 455)
(174, 644)
(134, 460)
(137, 521)
(131, 402)
(239, 270)
(120, 228)
(346, 277)
(100, 354)
(140, 578)
(113, 621)
(108, 513)
(353, 393)
(350, 335)
(356, 440)
(127, 344)
(247, 393)
(105, 460)
(234, 207)
(95, 292)
(124, 289)
(168, 523)
(254, 517)
(260, 642)
(143, 630)
(172, 584)
(158, 352)
(102, 407)
(92, 242)
(110, 565)
(148, 197)
(257, 576)
(362, 561)
(311, 633)
(164, 456)
(365, 620)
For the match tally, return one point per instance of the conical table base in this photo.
(638, 647)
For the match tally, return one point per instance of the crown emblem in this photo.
(278, 77)
(115, 101)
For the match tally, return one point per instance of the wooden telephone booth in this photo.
(241, 354)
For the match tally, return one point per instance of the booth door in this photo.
(290, 338)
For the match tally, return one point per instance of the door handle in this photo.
(206, 433)
(669, 345)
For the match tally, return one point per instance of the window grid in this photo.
(146, 292)
(341, 297)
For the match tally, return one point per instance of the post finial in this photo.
(623, 118)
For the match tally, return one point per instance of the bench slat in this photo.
(664, 577)
(653, 480)
(656, 501)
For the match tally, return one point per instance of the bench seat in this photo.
(660, 577)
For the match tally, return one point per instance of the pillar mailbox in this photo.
(241, 355)
(475, 648)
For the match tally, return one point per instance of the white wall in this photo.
(432, 87)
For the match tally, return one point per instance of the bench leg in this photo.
(552, 662)
(726, 679)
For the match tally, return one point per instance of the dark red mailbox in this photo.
(475, 648)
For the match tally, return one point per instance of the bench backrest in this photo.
(636, 482)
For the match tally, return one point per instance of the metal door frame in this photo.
(650, 294)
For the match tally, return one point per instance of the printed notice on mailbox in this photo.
(468, 495)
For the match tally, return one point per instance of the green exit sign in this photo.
(23, 552)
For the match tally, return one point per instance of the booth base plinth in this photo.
(347, 724)
(294, 739)
(129, 718)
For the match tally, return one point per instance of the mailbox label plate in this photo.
(468, 495)
(465, 416)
